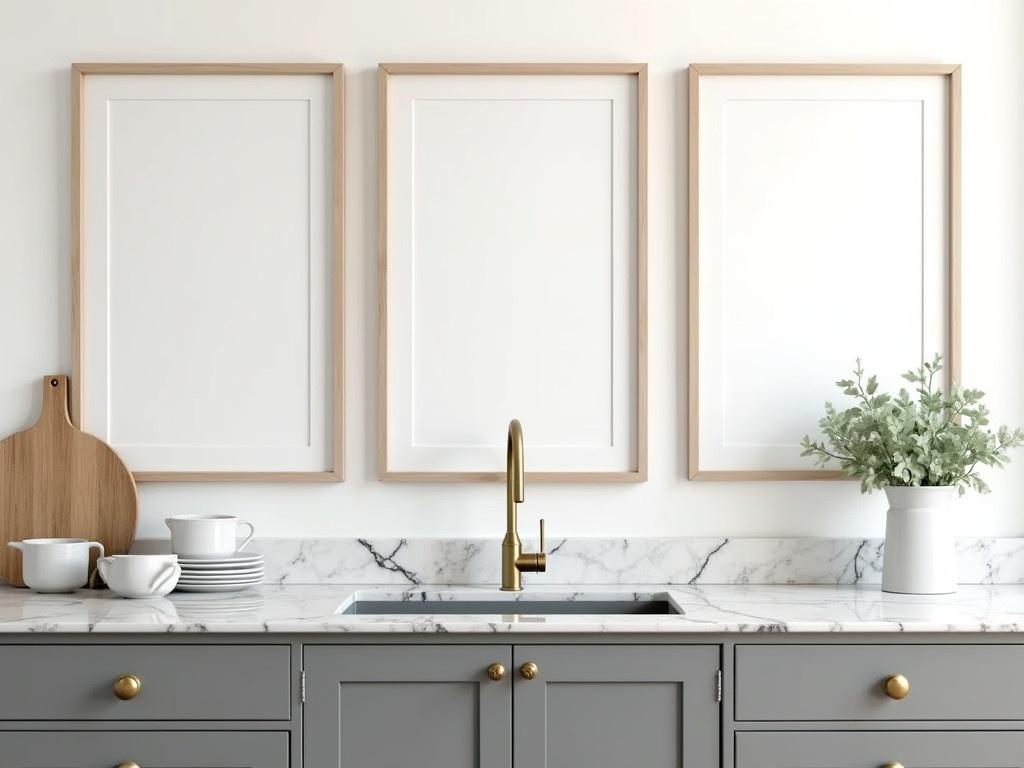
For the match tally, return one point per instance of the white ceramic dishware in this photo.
(233, 569)
(225, 580)
(207, 536)
(140, 576)
(222, 574)
(55, 565)
(215, 587)
(240, 559)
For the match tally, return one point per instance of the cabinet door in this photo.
(870, 749)
(152, 749)
(605, 706)
(398, 706)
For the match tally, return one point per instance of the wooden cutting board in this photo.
(56, 481)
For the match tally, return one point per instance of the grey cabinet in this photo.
(179, 682)
(844, 682)
(604, 706)
(871, 749)
(151, 749)
(427, 706)
(598, 706)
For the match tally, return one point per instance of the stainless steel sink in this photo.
(538, 606)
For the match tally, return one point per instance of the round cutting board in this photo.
(57, 481)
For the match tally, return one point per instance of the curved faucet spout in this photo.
(513, 560)
(514, 462)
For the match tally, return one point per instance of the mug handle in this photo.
(98, 546)
(101, 566)
(172, 571)
(247, 539)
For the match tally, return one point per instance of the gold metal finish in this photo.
(513, 560)
(128, 765)
(896, 687)
(127, 687)
(529, 670)
(893, 765)
(496, 671)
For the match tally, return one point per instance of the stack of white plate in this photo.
(223, 574)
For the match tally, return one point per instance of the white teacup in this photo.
(55, 565)
(207, 536)
(140, 575)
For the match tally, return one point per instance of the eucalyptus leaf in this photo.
(935, 440)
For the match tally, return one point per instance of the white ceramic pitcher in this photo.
(55, 565)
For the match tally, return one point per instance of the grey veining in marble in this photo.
(707, 609)
(582, 561)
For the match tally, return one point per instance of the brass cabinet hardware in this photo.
(513, 560)
(127, 687)
(896, 687)
(893, 765)
(529, 670)
(496, 671)
(128, 765)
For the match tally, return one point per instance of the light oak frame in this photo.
(952, 363)
(639, 472)
(79, 75)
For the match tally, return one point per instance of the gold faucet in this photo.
(514, 562)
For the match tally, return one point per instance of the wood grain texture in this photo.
(385, 70)
(513, 69)
(79, 77)
(693, 274)
(493, 477)
(58, 481)
(953, 358)
(211, 68)
(852, 70)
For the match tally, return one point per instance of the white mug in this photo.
(55, 565)
(140, 575)
(209, 536)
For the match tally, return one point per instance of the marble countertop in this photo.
(705, 609)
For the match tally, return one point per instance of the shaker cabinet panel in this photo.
(150, 749)
(614, 706)
(845, 682)
(177, 682)
(871, 749)
(396, 706)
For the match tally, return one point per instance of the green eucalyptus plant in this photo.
(935, 440)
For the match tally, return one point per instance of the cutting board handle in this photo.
(55, 401)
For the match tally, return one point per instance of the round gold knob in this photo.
(127, 687)
(496, 671)
(896, 687)
(893, 765)
(127, 765)
(529, 670)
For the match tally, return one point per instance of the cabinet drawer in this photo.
(179, 682)
(845, 682)
(152, 749)
(871, 749)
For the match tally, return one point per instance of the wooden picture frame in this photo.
(481, 456)
(307, 443)
(781, 83)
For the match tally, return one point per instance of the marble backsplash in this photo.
(593, 560)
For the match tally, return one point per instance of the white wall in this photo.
(40, 38)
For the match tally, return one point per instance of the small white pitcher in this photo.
(55, 565)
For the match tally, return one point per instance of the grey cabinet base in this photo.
(152, 749)
(872, 749)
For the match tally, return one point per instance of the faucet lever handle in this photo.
(543, 549)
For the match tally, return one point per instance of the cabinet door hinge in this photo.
(718, 686)
(302, 686)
